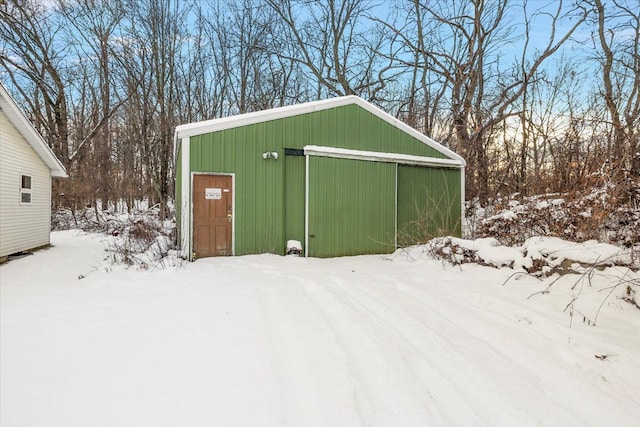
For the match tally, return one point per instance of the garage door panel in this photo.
(429, 203)
(351, 207)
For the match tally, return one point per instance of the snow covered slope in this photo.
(287, 341)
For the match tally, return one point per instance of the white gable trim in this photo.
(214, 125)
(30, 134)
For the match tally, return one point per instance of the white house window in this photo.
(25, 189)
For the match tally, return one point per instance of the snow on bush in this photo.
(606, 270)
(137, 237)
(544, 257)
(604, 213)
(537, 255)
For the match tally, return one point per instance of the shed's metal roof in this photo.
(208, 126)
(17, 118)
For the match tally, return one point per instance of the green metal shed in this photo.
(341, 176)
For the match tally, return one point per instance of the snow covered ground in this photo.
(265, 340)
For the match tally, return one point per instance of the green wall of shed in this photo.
(429, 203)
(269, 194)
(351, 207)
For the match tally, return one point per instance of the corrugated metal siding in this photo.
(429, 203)
(294, 198)
(351, 207)
(22, 225)
(269, 196)
(348, 127)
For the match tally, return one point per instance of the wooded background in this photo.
(538, 96)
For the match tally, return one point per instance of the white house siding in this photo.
(23, 226)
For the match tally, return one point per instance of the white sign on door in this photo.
(213, 193)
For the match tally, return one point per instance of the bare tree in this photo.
(34, 61)
(157, 29)
(466, 39)
(107, 82)
(96, 25)
(335, 42)
(618, 37)
(203, 73)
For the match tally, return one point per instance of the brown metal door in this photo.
(212, 215)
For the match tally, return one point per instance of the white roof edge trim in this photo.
(408, 129)
(214, 125)
(30, 134)
(406, 159)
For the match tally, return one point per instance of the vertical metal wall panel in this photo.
(429, 203)
(355, 128)
(351, 207)
(294, 198)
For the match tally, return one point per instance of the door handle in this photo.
(229, 217)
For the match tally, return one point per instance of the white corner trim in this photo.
(306, 206)
(462, 202)
(407, 159)
(396, 212)
(233, 212)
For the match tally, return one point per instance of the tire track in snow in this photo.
(314, 384)
(386, 367)
(556, 385)
(458, 320)
(479, 394)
